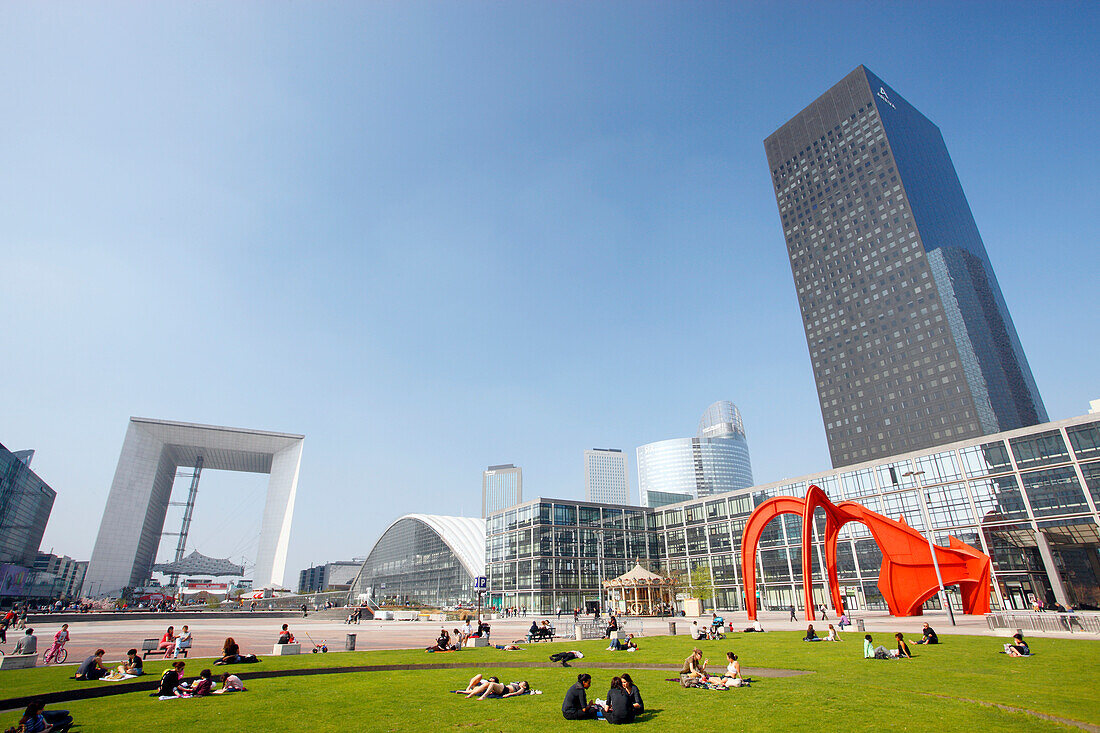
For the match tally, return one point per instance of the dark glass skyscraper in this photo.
(911, 341)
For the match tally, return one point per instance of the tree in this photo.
(699, 584)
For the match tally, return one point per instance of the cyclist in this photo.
(54, 653)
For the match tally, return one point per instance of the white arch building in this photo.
(425, 558)
(133, 520)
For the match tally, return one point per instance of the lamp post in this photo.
(599, 564)
(931, 548)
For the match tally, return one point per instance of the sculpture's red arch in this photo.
(907, 577)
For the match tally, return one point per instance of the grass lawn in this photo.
(940, 689)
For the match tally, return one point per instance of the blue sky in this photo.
(433, 237)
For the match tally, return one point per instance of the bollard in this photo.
(672, 628)
(859, 625)
(349, 643)
(578, 632)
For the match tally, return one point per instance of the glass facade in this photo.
(1028, 499)
(413, 563)
(714, 462)
(25, 505)
(911, 342)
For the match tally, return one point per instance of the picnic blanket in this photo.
(119, 678)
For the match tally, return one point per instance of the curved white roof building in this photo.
(425, 559)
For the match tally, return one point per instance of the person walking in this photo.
(792, 614)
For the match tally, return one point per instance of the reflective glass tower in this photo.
(910, 339)
(715, 461)
(501, 486)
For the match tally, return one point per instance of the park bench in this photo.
(152, 646)
(18, 661)
(543, 634)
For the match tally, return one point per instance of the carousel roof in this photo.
(199, 564)
(638, 576)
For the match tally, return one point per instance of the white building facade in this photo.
(606, 476)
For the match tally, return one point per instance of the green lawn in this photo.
(940, 689)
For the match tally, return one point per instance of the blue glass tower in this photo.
(910, 339)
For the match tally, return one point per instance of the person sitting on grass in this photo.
(811, 635)
(928, 636)
(695, 666)
(833, 636)
(698, 633)
(868, 647)
(442, 644)
(204, 685)
(903, 648)
(36, 719)
(92, 667)
(732, 676)
(619, 708)
(133, 664)
(755, 628)
(635, 694)
(231, 652)
(1018, 647)
(232, 683)
(576, 706)
(171, 682)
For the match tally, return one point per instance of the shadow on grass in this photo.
(649, 714)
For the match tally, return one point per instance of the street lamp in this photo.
(931, 548)
(599, 564)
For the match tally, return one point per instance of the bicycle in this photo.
(55, 654)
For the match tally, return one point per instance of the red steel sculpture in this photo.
(907, 577)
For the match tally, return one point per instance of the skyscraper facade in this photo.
(501, 487)
(605, 476)
(25, 505)
(910, 339)
(713, 462)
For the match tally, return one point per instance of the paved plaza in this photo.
(256, 635)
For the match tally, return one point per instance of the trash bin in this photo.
(349, 643)
(672, 628)
(859, 625)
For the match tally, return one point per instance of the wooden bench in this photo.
(18, 661)
(152, 646)
(543, 634)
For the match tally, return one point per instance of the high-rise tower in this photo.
(910, 339)
(713, 462)
(605, 476)
(501, 486)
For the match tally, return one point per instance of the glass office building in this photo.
(1027, 498)
(25, 505)
(910, 339)
(424, 560)
(713, 462)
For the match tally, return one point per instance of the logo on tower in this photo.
(884, 98)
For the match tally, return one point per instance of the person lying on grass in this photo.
(492, 686)
(232, 683)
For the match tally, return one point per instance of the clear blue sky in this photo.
(433, 237)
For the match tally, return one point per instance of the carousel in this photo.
(641, 593)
